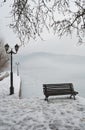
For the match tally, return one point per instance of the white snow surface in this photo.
(5, 86)
(59, 113)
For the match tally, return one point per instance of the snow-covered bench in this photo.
(59, 89)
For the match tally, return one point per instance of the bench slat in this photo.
(57, 84)
(58, 88)
(51, 94)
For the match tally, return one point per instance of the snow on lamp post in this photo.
(10, 51)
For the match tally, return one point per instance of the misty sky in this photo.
(51, 43)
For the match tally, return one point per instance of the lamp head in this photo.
(16, 47)
(6, 47)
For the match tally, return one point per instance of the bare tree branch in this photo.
(32, 17)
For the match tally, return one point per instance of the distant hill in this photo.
(43, 57)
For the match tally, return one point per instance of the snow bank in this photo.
(5, 86)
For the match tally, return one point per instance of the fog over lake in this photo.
(39, 68)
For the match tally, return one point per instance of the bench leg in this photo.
(70, 96)
(46, 98)
(74, 97)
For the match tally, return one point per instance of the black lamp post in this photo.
(11, 73)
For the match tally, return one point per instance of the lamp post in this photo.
(11, 52)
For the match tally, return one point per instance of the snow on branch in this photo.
(32, 17)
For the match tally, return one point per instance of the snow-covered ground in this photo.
(59, 113)
(5, 86)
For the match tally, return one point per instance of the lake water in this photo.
(38, 70)
(33, 80)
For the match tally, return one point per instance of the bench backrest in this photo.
(58, 88)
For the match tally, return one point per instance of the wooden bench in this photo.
(59, 89)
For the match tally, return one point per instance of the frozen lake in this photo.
(39, 68)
